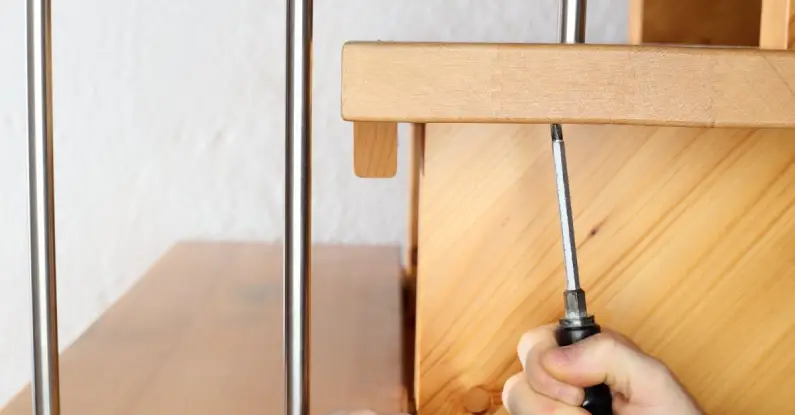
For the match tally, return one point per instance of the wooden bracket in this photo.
(375, 149)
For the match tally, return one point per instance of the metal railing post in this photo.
(298, 212)
(45, 382)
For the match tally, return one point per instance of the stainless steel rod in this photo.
(572, 30)
(572, 21)
(297, 233)
(45, 382)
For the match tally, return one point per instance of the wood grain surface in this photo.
(416, 150)
(375, 149)
(686, 239)
(201, 334)
(778, 24)
(602, 84)
(697, 22)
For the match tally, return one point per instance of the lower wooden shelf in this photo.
(201, 333)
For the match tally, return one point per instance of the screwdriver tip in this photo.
(557, 132)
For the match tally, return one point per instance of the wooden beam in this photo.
(587, 84)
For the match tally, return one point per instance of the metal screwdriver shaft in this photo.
(576, 324)
(45, 382)
(564, 206)
(298, 212)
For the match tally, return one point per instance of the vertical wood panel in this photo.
(778, 24)
(700, 22)
(416, 149)
(686, 240)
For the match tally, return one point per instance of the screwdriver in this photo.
(576, 323)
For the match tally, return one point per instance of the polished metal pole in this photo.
(572, 21)
(46, 398)
(298, 212)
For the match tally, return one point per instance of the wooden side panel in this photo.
(696, 22)
(778, 24)
(686, 240)
(416, 149)
(410, 252)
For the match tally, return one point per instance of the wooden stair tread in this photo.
(201, 333)
(578, 84)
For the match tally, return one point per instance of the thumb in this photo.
(606, 358)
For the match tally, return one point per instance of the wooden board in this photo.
(492, 83)
(778, 18)
(416, 149)
(201, 334)
(686, 240)
(375, 149)
(696, 22)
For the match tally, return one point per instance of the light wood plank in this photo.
(635, 26)
(375, 149)
(778, 24)
(201, 334)
(686, 241)
(488, 83)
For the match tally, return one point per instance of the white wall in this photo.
(169, 126)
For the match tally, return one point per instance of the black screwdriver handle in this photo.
(598, 399)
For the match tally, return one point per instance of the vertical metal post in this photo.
(572, 21)
(297, 233)
(45, 385)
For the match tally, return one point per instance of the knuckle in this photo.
(606, 345)
(531, 339)
(533, 342)
(544, 384)
(624, 340)
(541, 382)
(596, 348)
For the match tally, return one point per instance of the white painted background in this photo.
(169, 126)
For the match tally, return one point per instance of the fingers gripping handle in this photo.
(598, 399)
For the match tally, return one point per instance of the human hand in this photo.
(554, 377)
